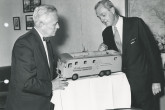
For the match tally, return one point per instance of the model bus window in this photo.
(76, 63)
(94, 61)
(85, 62)
(69, 65)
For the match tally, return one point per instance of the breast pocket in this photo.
(133, 41)
(133, 45)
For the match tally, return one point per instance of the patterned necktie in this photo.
(50, 56)
(117, 39)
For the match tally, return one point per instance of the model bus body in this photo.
(75, 65)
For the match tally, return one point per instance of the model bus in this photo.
(83, 64)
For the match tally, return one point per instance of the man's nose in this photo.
(102, 19)
(57, 26)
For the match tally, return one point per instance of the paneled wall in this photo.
(5, 15)
(8, 10)
(79, 23)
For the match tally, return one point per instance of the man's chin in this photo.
(54, 34)
(107, 24)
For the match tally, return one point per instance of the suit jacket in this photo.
(30, 84)
(141, 59)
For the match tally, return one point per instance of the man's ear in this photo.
(112, 9)
(41, 24)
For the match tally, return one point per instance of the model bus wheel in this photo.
(101, 74)
(75, 76)
(108, 72)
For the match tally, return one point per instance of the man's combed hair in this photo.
(106, 3)
(42, 10)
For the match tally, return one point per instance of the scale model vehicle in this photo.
(84, 64)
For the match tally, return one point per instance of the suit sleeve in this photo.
(26, 72)
(152, 51)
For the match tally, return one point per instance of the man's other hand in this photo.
(156, 88)
(102, 47)
(59, 83)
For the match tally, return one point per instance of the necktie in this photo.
(50, 55)
(117, 39)
(47, 39)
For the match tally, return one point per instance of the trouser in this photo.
(52, 106)
(145, 101)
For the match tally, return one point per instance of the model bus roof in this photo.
(79, 55)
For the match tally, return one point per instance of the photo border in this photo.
(29, 22)
(16, 23)
(30, 5)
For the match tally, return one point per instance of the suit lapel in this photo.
(126, 33)
(40, 45)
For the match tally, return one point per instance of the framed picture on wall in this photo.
(153, 13)
(16, 23)
(29, 22)
(30, 5)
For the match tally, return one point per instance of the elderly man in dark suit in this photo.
(141, 60)
(32, 69)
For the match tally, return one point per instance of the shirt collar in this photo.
(41, 36)
(119, 22)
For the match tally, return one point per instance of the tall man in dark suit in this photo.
(141, 60)
(32, 82)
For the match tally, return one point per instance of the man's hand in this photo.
(156, 88)
(59, 83)
(102, 47)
